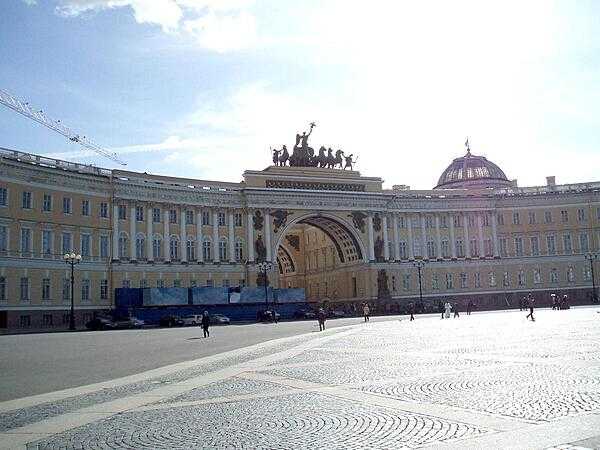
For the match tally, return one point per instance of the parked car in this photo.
(100, 323)
(192, 319)
(266, 316)
(171, 321)
(219, 319)
(129, 322)
(305, 314)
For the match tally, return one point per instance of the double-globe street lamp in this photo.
(591, 257)
(264, 267)
(419, 264)
(72, 259)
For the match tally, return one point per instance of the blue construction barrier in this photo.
(210, 296)
(165, 296)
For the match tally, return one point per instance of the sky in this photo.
(204, 88)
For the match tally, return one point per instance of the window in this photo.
(85, 207)
(25, 321)
(103, 246)
(190, 250)
(140, 247)
(477, 280)
(172, 216)
(222, 219)
(103, 289)
(67, 243)
(143, 283)
(66, 290)
(567, 244)
(139, 213)
(47, 242)
(47, 320)
(26, 203)
(189, 217)
(445, 249)
(503, 247)
(24, 289)
(554, 276)
(587, 274)
(122, 212)
(156, 215)
(471, 221)
(406, 281)
(205, 218)
(67, 205)
(519, 246)
(123, 246)
(506, 279)
(581, 215)
(443, 221)
(431, 249)
(402, 248)
(104, 210)
(206, 250)
(25, 241)
(570, 275)
(428, 222)
(460, 249)
(521, 278)
(160, 283)
(47, 203)
(531, 218)
(535, 245)
(177, 283)
(3, 197)
(456, 220)
(547, 216)
(174, 248)
(223, 250)
(449, 282)
(463, 280)
(435, 283)
(126, 284)
(417, 247)
(500, 219)
(492, 279)
(402, 223)
(551, 243)
(225, 283)
(3, 238)
(393, 283)
(516, 219)
(486, 220)
(209, 283)
(86, 241)
(85, 290)
(239, 251)
(46, 289)
(537, 276)
(487, 246)
(564, 216)
(584, 245)
(2, 289)
(237, 219)
(474, 248)
(157, 247)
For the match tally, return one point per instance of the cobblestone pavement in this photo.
(484, 381)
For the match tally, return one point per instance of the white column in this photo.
(166, 237)
(466, 234)
(231, 238)
(149, 233)
(183, 234)
(411, 245)
(115, 251)
(495, 234)
(386, 242)
(396, 238)
(250, 237)
(423, 238)
(438, 236)
(480, 232)
(370, 235)
(132, 255)
(268, 235)
(199, 249)
(452, 237)
(215, 236)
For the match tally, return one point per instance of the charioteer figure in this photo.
(349, 161)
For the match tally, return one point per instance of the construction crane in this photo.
(38, 115)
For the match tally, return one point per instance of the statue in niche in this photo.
(258, 220)
(358, 219)
(379, 249)
(260, 249)
(279, 219)
(377, 222)
(383, 290)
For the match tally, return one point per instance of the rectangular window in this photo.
(547, 216)
(172, 216)
(435, 284)
(103, 246)
(535, 245)
(24, 289)
(537, 276)
(85, 290)
(25, 321)
(551, 244)
(474, 247)
(449, 281)
(25, 241)
(519, 246)
(176, 283)
(554, 276)
(47, 242)
(237, 217)
(3, 238)
(567, 244)
(26, 203)
(190, 250)
(103, 289)
(139, 213)
(564, 216)
(584, 245)
(460, 249)
(205, 218)
(471, 221)
(226, 284)
(406, 281)
(457, 222)
(477, 280)
(222, 219)
(46, 289)
(428, 222)
(463, 280)
(3, 197)
(500, 219)
(66, 291)
(156, 215)
(486, 220)
(445, 249)
(160, 283)
(431, 249)
(104, 210)
(488, 249)
(531, 218)
(67, 244)
(85, 207)
(2, 289)
(209, 283)
(402, 224)
(402, 248)
(189, 217)
(143, 283)
(86, 240)
(443, 221)
(503, 247)
(516, 219)
(506, 279)
(47, 203)
(126, 284)
(581, 215)
(66, 205)
(122, 212)
(521, 278)
(47, 320)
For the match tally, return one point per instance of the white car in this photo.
(193, 319)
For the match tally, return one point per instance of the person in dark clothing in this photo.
(441, 306)
(205, 324)
(321, 319)
(469, 307)
(412, 311)
(455, 308)
(530, 303)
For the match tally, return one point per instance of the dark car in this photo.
(266, 316)
(170, 321)
(100, 323)
(305, 314)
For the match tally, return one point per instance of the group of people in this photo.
(559, 303)
(322, 315)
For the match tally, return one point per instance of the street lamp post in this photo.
(264, 267)
(419, 264)
(591, 257)
(72, 259)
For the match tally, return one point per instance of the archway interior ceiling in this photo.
(285, 261)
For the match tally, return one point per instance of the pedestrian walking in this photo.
(366, 312)
(469, 307)
(455, 308)
(274, 316)
(530, 303)
(448, 308)
(321, 319)
(441, 306)
(205, 324)
(554, 302)
(412, 311)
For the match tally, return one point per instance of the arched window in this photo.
(174, 248)
(140, 247)
(206, 250)
(223, 249)
(157, 247)
(190, 249)
(123, 245)
(239, 250)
